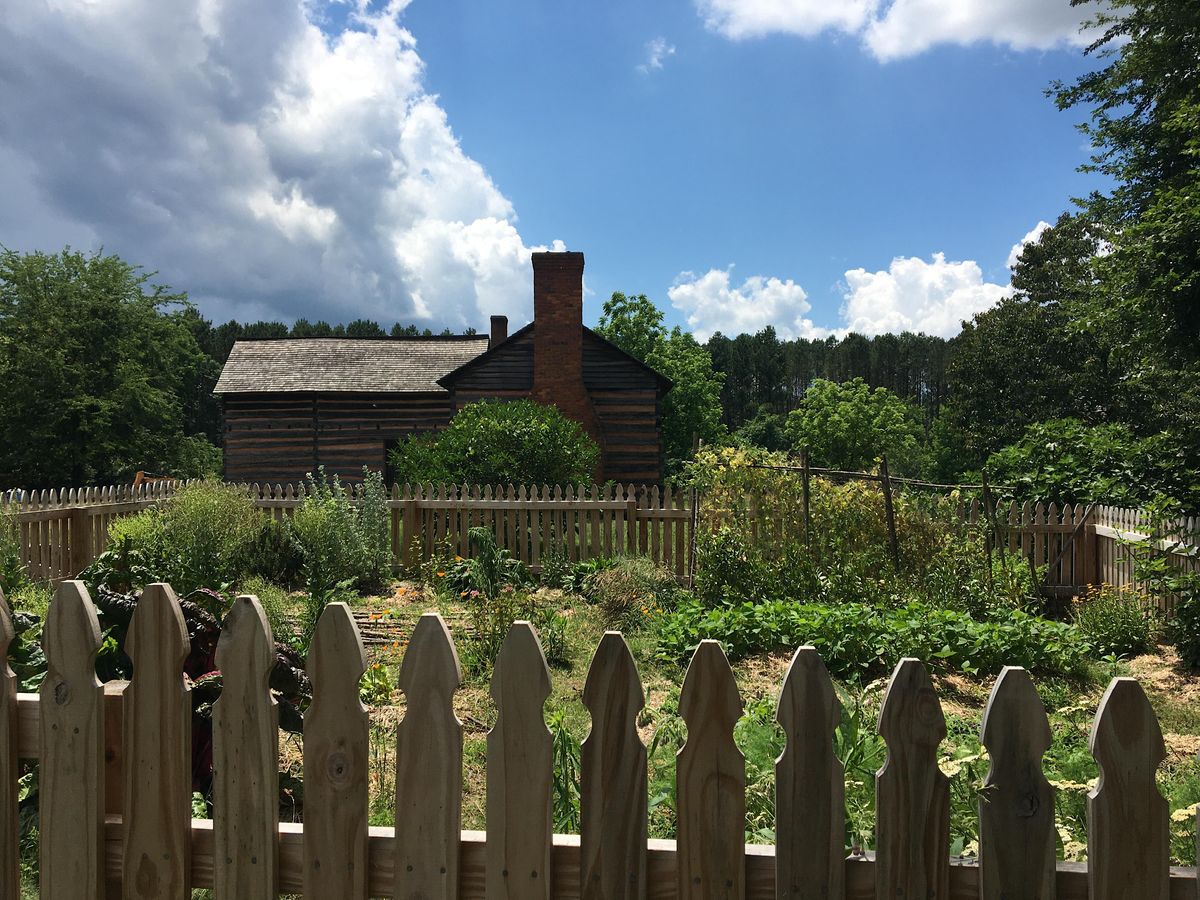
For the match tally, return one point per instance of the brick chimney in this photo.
(558, 337)
(499, 331)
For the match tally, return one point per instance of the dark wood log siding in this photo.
(282, 437)
(627, 401)
(625, 397)
(506, 373)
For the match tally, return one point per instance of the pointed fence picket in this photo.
(613, 778)
(429, 749)
(152, 850)
(335, 761)
(710, 781)
(246, 757)
(158, 743)
(520, 771)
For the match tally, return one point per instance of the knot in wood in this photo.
(62, 693)
(337, 767)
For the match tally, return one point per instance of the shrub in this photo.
(857, 640)
(12, 570)
(500, 442)
(274, 554)
(198, 538)
(340, 542)
(729, 570)
(277, 604)
(1117, 621)
(1184, 630)
(631, 589)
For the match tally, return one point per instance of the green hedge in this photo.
(857, 640)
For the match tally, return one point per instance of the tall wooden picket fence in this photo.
(61, 532)
(120, 824)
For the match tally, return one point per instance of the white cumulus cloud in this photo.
(711, 303)
(901, 28)
(1031, 237)
(914, 295)
(657, 52)
(264, 165)
(739, 19)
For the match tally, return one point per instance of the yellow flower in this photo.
(458, 558)
(441, 574)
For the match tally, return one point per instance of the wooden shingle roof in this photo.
(398, 365)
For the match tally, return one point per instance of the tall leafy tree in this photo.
(849, 426)
(692, 409)
(98, 366)
(1144, 127)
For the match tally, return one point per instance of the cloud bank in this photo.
(271, 168)
(711, 303)
(905, 28)
(933, 296)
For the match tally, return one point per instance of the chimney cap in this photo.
(566, 259)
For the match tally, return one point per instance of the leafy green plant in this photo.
(1117, 621)
(278, 605)
(12, 570)
(500, 442)
(730, 570)
(565, 787)
(630, 590)
(859, 641)
(274, 554)
(198, 538)
(1159, 567)
(340, 540)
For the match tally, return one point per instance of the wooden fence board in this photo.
(912, 796)
(1016, 808)
(1128, 831)
(613, 778)
(710, 781)
(246, 757)
(429, 748)
(519, 765)
(71, 792)
(158, 745)
(809, 786)
(335, 761)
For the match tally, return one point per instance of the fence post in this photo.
(411, 526)
(804, 487)
(893, 543)
(81, 540)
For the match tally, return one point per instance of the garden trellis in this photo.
(120, 821)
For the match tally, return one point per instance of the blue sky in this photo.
(813, 165)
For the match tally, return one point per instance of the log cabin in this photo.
(295, 404)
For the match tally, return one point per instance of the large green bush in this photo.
(499, 442)
(199, 538)
(857, 640)
(849, 425)
(1065, 460)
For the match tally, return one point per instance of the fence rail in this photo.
(61, 532)
(122, 823)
